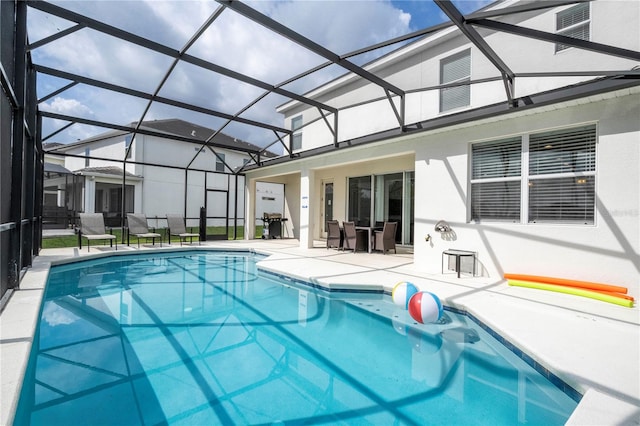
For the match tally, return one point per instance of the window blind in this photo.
(496, 169)
(456, 68)
(562, 167)
(573, 22)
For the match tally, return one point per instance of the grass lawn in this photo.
(72, 240)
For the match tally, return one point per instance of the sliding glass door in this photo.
(391, 200)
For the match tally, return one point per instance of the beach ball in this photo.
(425, 307)
(402, 292)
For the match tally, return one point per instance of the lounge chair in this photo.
(354, 239)
(92, 228)
(177, 227)
(137, 227)
(386, 239)
(334, 235)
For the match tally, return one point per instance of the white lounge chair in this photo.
(177, 227)
(137, 226)
(92, 228)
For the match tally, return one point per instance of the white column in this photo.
(249, 209)
(89, 194)
(307, 197)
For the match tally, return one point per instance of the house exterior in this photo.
(536, 175)
(166, 172)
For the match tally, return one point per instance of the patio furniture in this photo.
(92, 228)
(334, 235)
(354, 239)
(386, 239)
(457, 264)
(137, 226)
(177, 227)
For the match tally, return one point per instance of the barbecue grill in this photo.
(272, 225)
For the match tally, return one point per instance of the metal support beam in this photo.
(474, 37)
(310, 45)
(165, 50)
(557, 38)
(53, 37)
(148, 96)
(128, 129)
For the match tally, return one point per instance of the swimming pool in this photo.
(205, 338)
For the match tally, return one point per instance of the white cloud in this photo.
(55, 315)
(232, 41)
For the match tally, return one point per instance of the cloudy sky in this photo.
(231, 41)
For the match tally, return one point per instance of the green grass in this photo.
(72, 240)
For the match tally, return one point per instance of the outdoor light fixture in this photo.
(442, 226)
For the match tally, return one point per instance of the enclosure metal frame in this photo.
(20, 128)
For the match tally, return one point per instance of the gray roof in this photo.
(171, 126)
(105, 170)
(56, 168)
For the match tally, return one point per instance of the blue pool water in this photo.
(203, 338)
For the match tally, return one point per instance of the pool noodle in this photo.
(572, 290)
(565, 282)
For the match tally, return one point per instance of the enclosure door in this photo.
(327, 203)
(217, 214)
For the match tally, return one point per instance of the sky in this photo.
(232, 42)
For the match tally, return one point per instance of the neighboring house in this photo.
(548, 186)
(171, 174)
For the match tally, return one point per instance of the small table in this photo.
(458, 254)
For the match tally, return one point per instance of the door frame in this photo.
(323, 206)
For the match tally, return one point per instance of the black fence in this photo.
(21, 155)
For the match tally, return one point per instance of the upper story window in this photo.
(219, 162)
(573, 22)
(127, 144)
(87, 153)
(296, 138)
(546, 177)
(455, 69)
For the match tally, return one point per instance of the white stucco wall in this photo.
(604, 252)
(614, 23)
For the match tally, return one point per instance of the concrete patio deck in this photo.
(591, 345)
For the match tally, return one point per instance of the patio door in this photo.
(327, 203)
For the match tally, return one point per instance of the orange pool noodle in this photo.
(569, 283)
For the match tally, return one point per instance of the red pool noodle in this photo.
(568, 283)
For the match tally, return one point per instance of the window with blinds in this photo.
(546, 177)
(455, 69)
(296, 138)
(496, 171)
(573, 22)
(219, 162)
(562, 167)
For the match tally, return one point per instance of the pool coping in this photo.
(18, 322)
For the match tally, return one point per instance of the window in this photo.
(87, 153)
(496, 180)
(562, 167)
(219, 162)
(573, 22)
(455, 69)
(296, 138)
(555, 185)
(127, 144)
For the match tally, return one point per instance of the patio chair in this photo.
(386, 239)
(354, 239)
(92, 228)
(178, 228)
(334, 235)
(137, 227)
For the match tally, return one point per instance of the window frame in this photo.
(528, 177)
(569, 29)
(220, 159)
(296, 136)
(443, 108)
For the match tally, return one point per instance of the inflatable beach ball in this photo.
(402, 292)
(425, 307)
